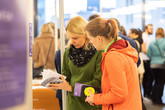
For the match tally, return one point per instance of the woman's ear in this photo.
(100, 39)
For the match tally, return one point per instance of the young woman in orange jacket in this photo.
(120, 84)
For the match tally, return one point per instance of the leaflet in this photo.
(50, 76)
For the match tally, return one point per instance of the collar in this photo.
(118, 38)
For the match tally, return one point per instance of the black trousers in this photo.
(147, 79)
(60, 103)
(157, 92)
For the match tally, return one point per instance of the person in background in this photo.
(136, 35)
(131, 41)
(41, 47)
(147, 77)
(52, 26)
(119, 84)
(81, 64)
(58, 55)
(93, 17)
(123, 31)
(156, 53)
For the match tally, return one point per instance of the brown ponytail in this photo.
(102, 27)
(114, 32)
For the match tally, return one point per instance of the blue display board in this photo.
(12, 53)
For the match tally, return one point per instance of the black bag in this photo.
(37, 71)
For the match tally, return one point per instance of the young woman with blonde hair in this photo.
(156, 53)
(44, 49)
(119, 83)
(81, 64)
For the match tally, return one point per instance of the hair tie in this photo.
(107, 21)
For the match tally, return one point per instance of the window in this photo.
(128, 12)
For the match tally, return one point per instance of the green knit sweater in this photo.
(88, 74)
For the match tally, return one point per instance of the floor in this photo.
(150, 106)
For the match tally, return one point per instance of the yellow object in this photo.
(86, 91)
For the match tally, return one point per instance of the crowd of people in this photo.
(101, 54)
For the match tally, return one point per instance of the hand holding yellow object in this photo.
(86, 91)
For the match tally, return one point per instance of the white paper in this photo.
(50, 76)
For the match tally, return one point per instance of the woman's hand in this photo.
(64, 85)
(89, 99)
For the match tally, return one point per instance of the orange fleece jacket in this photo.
(120, 83)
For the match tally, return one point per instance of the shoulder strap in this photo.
(138, 45)
(48, 53)
(159, 51)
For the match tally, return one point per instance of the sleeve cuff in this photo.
(95, 99)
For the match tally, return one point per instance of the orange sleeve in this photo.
(114, 65)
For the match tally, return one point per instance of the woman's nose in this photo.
(72, 41)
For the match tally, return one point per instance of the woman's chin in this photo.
(76, 46)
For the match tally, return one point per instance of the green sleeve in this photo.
(65, 66)
(96, 81)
